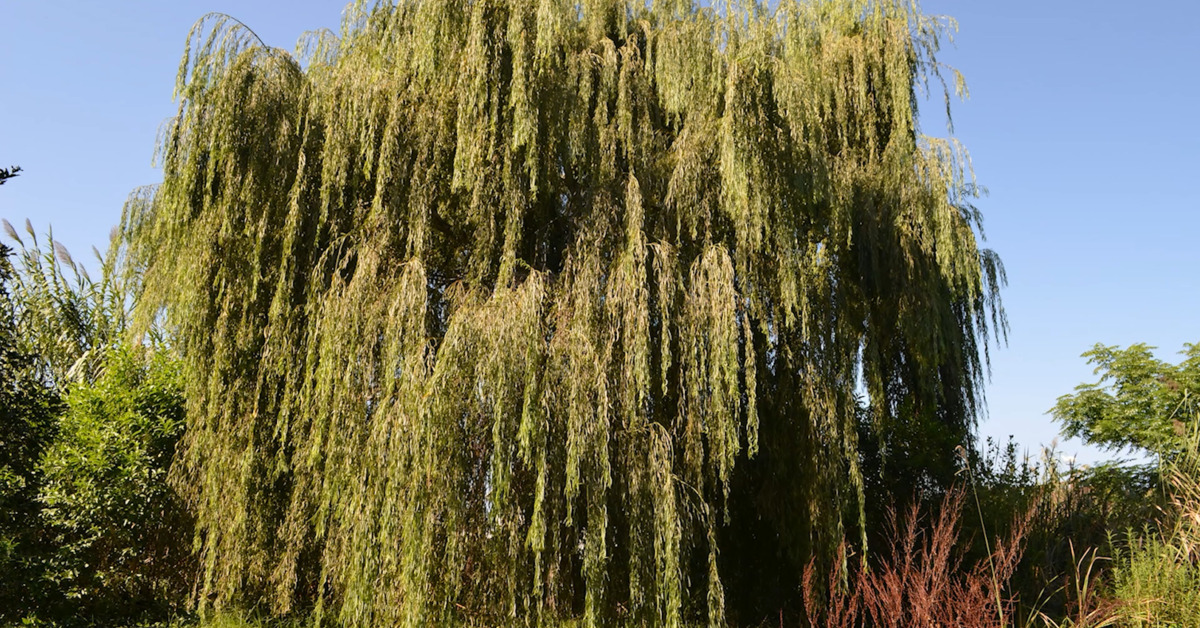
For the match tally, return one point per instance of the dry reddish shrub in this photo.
(921, 581)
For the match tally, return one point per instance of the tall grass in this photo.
(1158, 578)
(1088, 609)
(1155, 586)
(1009, 554)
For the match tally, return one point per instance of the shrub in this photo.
(1072, 512)
(122, 534)
(1155, 587)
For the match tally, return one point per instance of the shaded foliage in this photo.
(27, 425)
(9, 173)
(1068, 511)
(523, 308)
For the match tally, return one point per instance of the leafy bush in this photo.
(123, 535)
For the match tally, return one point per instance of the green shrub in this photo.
(1069, 511)
(123, 536)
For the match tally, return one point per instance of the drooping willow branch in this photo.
(485, 304)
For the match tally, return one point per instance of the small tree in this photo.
(1140, 402)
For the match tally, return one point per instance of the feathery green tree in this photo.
(1139, 403)
(534, 309)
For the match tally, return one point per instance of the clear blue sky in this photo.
(1082, 122)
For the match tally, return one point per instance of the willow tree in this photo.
(523, 309)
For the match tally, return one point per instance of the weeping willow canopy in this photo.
(518, 310)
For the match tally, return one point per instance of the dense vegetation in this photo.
(524, 312)
(27, 410)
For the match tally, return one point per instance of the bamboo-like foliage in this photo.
(66, 318)
(483, 303)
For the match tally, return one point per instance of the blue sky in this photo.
(1082, 122)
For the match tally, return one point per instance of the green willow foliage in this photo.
(486, 306)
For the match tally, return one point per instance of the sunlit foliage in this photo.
(121, 535)
(1139, 403)
(515, 308)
